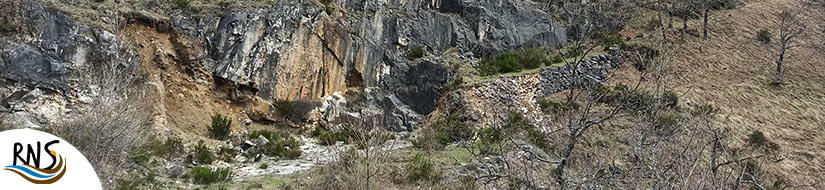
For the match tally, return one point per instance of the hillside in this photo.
(417, 94)
(733, 71)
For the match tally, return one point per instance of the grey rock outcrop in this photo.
(50, 61)
(290, 51)
(24, 64)
(299, 52)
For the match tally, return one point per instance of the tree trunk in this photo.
(705, 23)
(684, 27)
(560, 169)
(664, 34)
(780, 78)
(670, 23)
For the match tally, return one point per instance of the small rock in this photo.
(474, 116)
(247, 144)
(175, 171)
(261, 140)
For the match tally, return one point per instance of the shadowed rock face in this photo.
(421, 87)
(24, 64)
(41, 63)
(295, 51)
(49, 62)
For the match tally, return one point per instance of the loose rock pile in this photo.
(584, 73)
(492, 102)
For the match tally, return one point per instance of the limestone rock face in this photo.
(297, 52)
(290, 51)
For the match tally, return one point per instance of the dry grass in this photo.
(733, 71)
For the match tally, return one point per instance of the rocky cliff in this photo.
(246, 58)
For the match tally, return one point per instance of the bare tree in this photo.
(684, 10)
(361, 166)
(819, 37)
(118, 118)
(790, 28)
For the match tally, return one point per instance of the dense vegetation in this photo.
(515, 61)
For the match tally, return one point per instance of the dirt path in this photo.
(313, 155)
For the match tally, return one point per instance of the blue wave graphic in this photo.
(29, 171)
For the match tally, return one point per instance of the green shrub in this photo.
(128, 184)
(329, 9)
(263, 166)
(204, 175)
(555, 59)
(550, 106)
(704, 109)
(280, 144)
(667, 121)
(154, 148)
(267, 134)
(421, 168)
(489, 140)
(182, 4)
(653, 24)
(135, 181)
(454, 84)
(758, 139)
(514, 124)
(282, 184)
(327, 137)
(513, 61)
(646, 53)
(227, 153)
(602, 94)
(670, 99)
(779, 184)
(538, 139)
(444, 131)
(724, 4)
(764, 36)
(7, 27)
(455, 129)
(633, 100)
(611, 40)
(429, 139)
(295, 111)
(326, 2)
(643, 50)
(575, 51)
(220, 126)
(468, 182)
(202, 154)
(417, 52)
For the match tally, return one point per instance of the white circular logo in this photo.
(33, 159)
